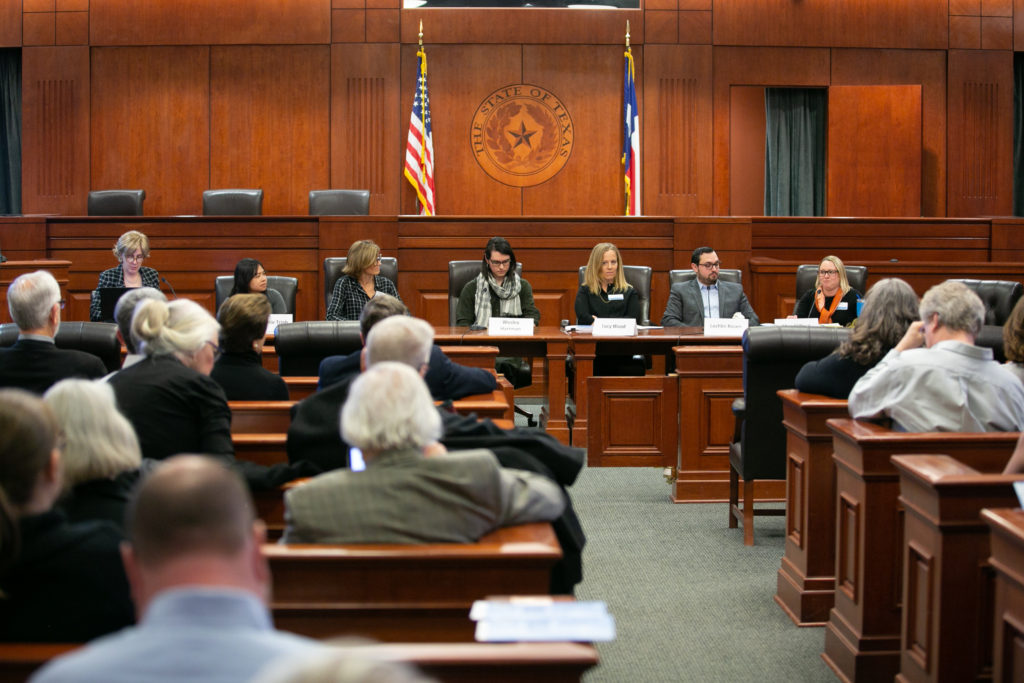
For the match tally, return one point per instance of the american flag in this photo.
(630, 137)
(419, 148)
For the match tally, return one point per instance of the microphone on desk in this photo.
(169, 286)
(477, 328)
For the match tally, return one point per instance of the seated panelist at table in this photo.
(251, 278)
(690, 303)
(498, 291)
(131, 250)
(360, 282)
(605, 292)
(832, 300)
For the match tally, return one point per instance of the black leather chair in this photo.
(334, 265)
(301, 346)
(772, 356)
(999, 297)
(99, 339)
(339, 202)
(460, 273)
(233, 202)
(687, 274)
(116, 202)
(806, 273)
(640, 278)
(285, 286)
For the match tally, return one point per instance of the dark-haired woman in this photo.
(251, 278)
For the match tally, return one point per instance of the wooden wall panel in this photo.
(200, 22)
(980, 130)
(493, 25)
(747, 144)
(10, 23)
(795, 67)
(895, 67)
(460, 77)
(874, 150)
(55, 129)
(676, 141)
(153, 134)
(591, 183)
(920, 24)
(270, 122)
(367, 136)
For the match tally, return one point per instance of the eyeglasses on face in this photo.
(828, 273)
(216, 350)
(711, 266)
(134, 258)
(504, 263)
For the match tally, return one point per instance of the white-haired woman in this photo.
(169, 397)
(101, 455)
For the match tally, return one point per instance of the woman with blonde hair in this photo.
(605, 292)
(131, 250)
(101, 453)
(832, 300)
(360, 282)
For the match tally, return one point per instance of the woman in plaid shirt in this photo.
(131, 249)
(361, 280)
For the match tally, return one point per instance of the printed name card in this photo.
(510, 327)
(725, 327)
(797, 322)
(613, 327)
(278, 319)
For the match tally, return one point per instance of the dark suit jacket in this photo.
(243, 378)
(445, 379)
(37, 365)
(685, 308)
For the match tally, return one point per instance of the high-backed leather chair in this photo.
(285, 286)
(99, 339)
(339, 202)
(640, 278)
(301, 346)
(999, 297)
(687, 274)
(116, 202)
(806, 274)
(334, 265)
(772, 356)
(233, 202)
(460, 273)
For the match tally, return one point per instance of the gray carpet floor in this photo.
(691, 602)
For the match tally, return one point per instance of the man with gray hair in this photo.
(123, 312)
(949, 385)
(34, 362)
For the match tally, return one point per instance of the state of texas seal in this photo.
(522, 135)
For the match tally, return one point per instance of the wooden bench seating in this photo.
(254, 417)
(300, 387)
(862, 636)
(402, 593)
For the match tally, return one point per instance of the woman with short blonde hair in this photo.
(832, 300)
(131, 250)
(360, 282)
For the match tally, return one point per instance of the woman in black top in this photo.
(251, 278)
(605, 292)
(832, 300)
(889, 308)
(61, 582)
(239, 370)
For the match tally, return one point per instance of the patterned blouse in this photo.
(348, 297)
(114, 277)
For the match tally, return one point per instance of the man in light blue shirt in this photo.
(200, 585)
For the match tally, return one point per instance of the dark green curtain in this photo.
(10, 131)
(1018, 137)
(794, 158)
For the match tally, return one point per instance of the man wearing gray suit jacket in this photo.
(706, 296)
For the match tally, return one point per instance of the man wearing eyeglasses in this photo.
(35, 363)
(691, 303)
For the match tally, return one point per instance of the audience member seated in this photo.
(60, 582)
(832, 300)
(951, 385)
(251, 278)
(360, 282)
(200, 584)
(100, 454)
(34, 362)
(691, 302)
(123, 312)
(239, 370)
(131, 249)
(1013, 340)
(412, 491)
(605, 292)
(445, 379)
(889, 308)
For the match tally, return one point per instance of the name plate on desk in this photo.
(725, 327)
(510, 327)
(797, 322)
(276, 319)
(613, 327)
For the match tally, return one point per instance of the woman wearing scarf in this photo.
(832, 300)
